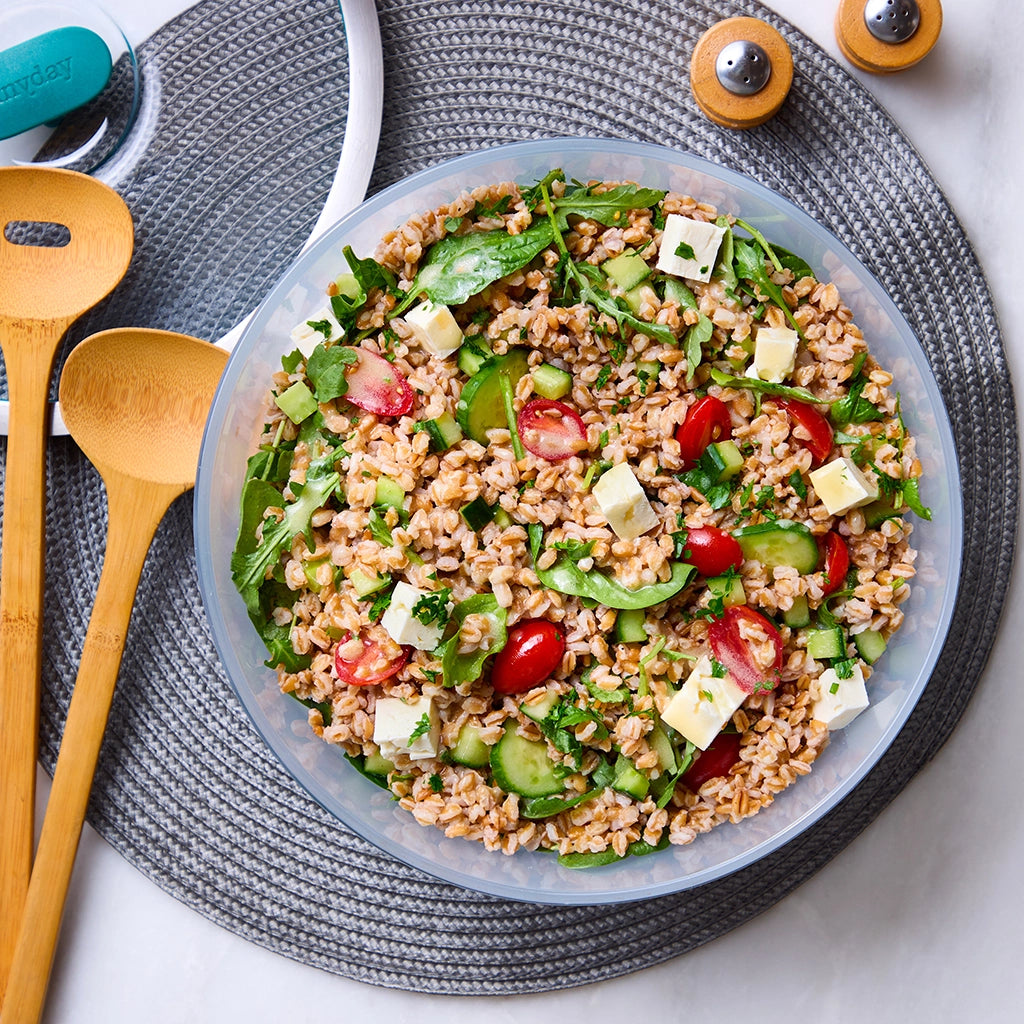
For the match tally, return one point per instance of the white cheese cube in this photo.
(837, 702)
(435, 329)
(402, 625)
(703, 238)
(624, 502)
(841, 486)
(395, 721)
(704, 704)
(306, 338)
(774, 353)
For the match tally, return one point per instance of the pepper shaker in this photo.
(741, 72)
(884, 36)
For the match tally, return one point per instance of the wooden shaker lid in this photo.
(728, 108)
(869, 53)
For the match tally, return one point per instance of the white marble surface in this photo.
(918, 919)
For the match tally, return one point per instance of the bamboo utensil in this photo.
(136, 402)
(45, 288)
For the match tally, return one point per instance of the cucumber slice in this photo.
(470, 748)
(649, 366)
(297, 403)
(348, 286)
(662, 746)
(477, 513)
(481, 408)
(629, 780)
(473, 353)
(870, 645)
(630, 626)
(538, 709)
(826, 643)
(729, 589)
(522, 766)
(727, 457)
(501, 518)
(637, 297)
(779, 543)
(799, 615)
(365, 584)
(389, 492)
(444, 432)
(551, 382)
(377, 764)
(627, 270)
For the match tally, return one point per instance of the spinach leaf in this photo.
(369, 274)
(799, 266)
(459, 668)
(566, 577)
(854, 408)
(326, 370)
(278, 641)
(727, 380)
(545, 806)
(912, 496)
(588, 860)
(749, 265)
(459, 266)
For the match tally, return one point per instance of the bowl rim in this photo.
(464, 166)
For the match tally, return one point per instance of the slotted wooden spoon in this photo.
(136, 402)
(43, 290)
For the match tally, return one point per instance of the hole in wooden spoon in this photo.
(42, 233)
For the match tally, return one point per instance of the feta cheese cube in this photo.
(774, 353)
(841, 486)
(704, 704)
(402, 625)
(395, 721)
(306, 338)
(624, 502)
(434, 327)
(703, 238)
(837, 702)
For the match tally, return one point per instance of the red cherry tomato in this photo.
(706, 420)
(375, 663)
(712, 551)
(532, 652)
(551, 430)
(734, 638)
(376, 386)
(833, 561)
(818, 429)
(722, 753)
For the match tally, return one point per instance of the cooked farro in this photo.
(402, 537)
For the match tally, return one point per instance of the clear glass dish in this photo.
(895, 687)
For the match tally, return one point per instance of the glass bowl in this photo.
(899, 678)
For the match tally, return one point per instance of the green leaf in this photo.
(912, 496)
(290, 362)
(608, 208)
(326, 367)
(433, 607)
(854, 408)
(727, 380)
(566, 577)
(459, 266)
(278, 641)
(359, 763)
(588, 860)
(459, 668)
(697, 336)
(749, 265)
(686, 759)
(546, 806)
(421, 729)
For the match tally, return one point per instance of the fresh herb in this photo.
(495, 209)
(844, 667)
(834, 688)
(703, 478)
(696, 336)
(854, 407)
(379, 606)
(685, 251)
(459, 668)
(324, 327)
(558, 726)
(796, 481)
(436, 783)
(620, 695)
(708, 696)
(679, 541)
(421, 729)
(748, 262)
(379, 529)
(433, 607)
(603, 376)
(718, 670)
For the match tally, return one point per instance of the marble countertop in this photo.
(917, 919)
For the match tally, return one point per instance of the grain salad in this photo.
(580, 515)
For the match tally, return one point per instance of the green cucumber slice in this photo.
(630, 626)
(470, 748)
(538, 709)
(870, 645)
(551, 382)
(729, 589)
(443, 431)
(389, 492)
(480, 407)
(727, 457)
(662, 746)
(629, 780)
(477, 513)
(473, 353)
(522, 766)
(297, 403)
(377, 764)
(799, 615)
(779, 543)
(365, 584)
(826, 643)
(626, 270)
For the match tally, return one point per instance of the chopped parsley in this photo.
(379, 606)
(718, 670)
(436, 783)
(433, 607)
(603, 376)
(685, 251)
(322, 326)
(422, 728)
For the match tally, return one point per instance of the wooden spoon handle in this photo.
(21, 603)
(135, 512)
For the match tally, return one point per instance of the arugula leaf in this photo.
(727, 380)
(290, 362)
(459, 266)
(278, 641)
(459, 668)
(369, 274)
(724, 269)
(534, 194)
(912, 496)
(684, 763)
(325, 369)
(761, 241)
(749, 265)
(854, 408)
(698, 335)
(799, 266)
(608, 208)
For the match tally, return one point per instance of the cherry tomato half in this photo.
(810, 422)
(551, 430)
(712, 551)
(532, 652)
(722, 753)
(833, 561)
(734, 638)
(373, 663)
(376, 386)
(706, 420)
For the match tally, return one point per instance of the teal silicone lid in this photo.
(50, 75)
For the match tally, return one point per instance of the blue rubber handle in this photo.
(49, 75)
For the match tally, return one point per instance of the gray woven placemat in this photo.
(186, 790)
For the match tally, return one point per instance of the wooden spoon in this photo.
(136, 402)
(43, 289)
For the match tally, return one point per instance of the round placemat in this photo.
(186, 790)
